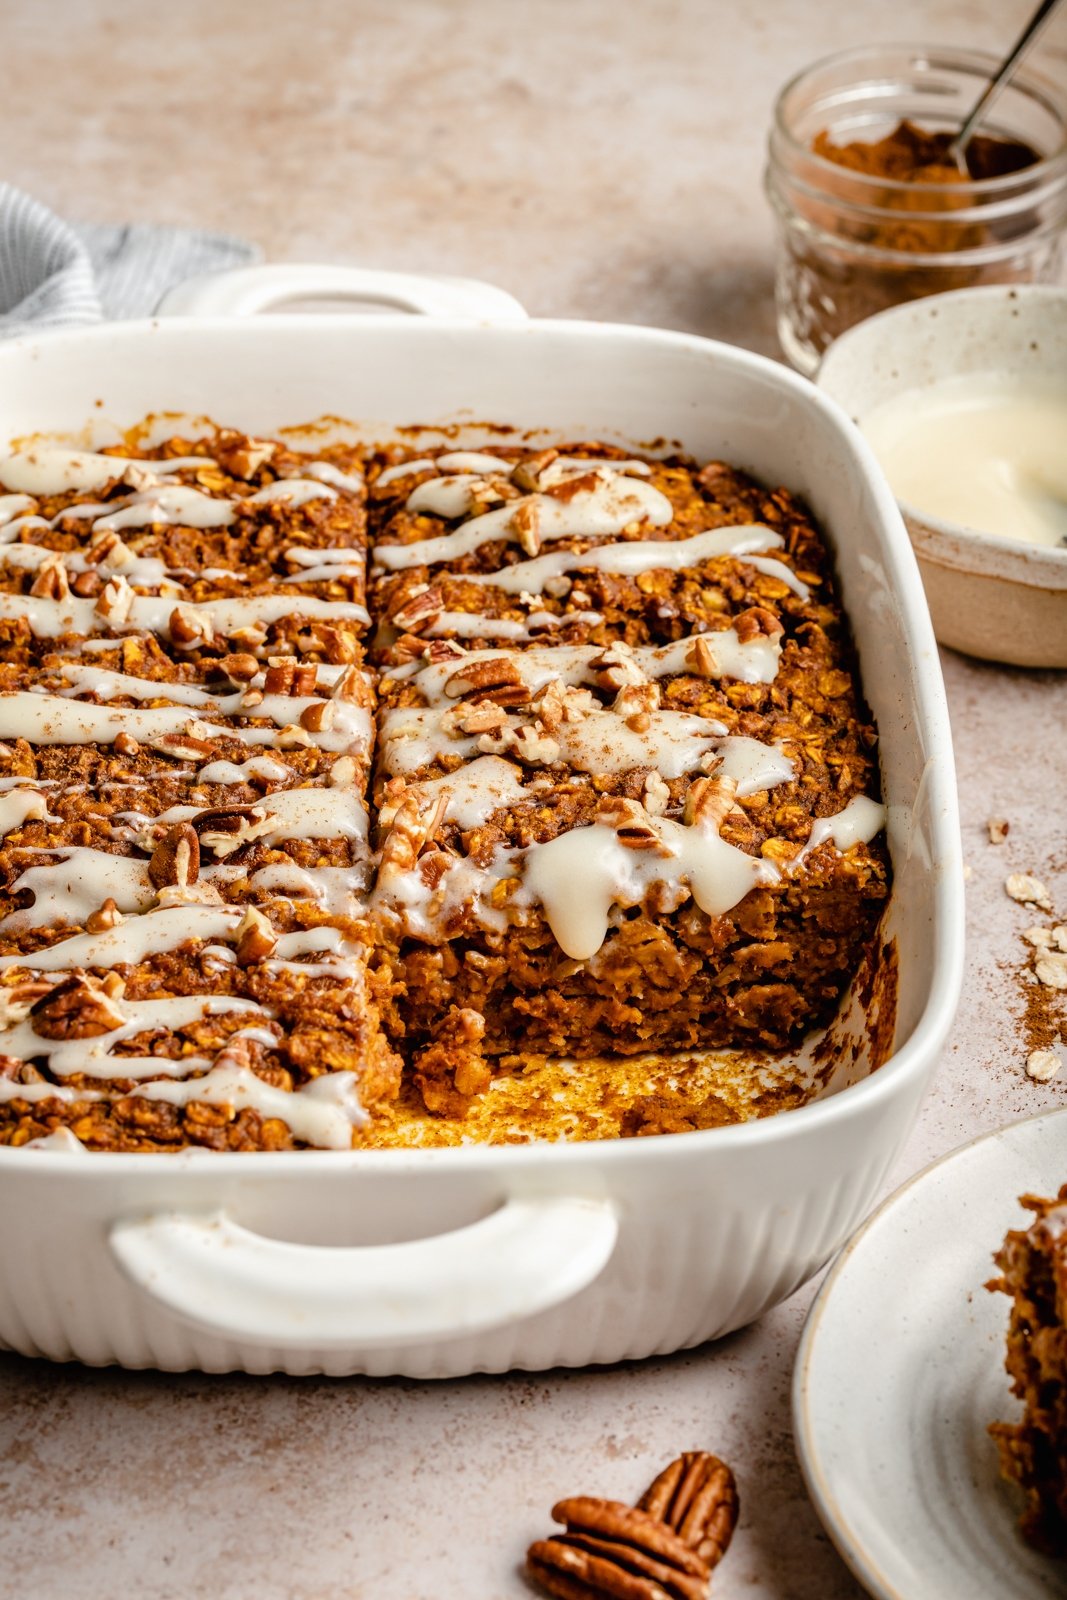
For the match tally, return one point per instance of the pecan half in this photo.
(497, 679)
(697, 1497)
(176, 858)
(612, 1550)
(419, 611)
(77, 1008)
(750, 624)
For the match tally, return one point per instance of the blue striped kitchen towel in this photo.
(56, 274)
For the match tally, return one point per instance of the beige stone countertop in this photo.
(598, 160)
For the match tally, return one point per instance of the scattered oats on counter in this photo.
(1051, 970)
(1042, 1065)
(999, 828)
(1028, 891)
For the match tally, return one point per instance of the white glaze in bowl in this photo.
(989, 596)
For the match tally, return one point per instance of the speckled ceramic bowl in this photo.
(989, 596)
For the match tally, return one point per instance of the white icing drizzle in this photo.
(858, 823)
(75, 882)
(291, 491)
(631, 557)
(322, 1113)
(54, 719)
(42, 470)
(50, 619)
(255, 767)
(326, 472)
(13, 505)
(172, 506)
(614, 504)
(755, 661)
(578, 877)
(297, 814)
(470, 625)
(21, 805)
(93, 1056)
(476, 790)
(133, 940)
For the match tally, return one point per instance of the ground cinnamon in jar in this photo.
(871, 209)
(920, 159)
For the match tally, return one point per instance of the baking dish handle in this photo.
(244, 291)
(527, 1256)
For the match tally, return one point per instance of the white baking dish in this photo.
(438, 1263)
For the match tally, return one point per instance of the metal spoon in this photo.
(957, 150)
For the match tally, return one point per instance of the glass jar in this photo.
(851, 244)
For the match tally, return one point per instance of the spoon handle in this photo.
(995, 84)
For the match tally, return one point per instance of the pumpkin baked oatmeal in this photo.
(622, 787)
(185, 733)
(1033, 1451)
(624, 790)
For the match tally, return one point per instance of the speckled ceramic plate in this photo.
(901, 1369)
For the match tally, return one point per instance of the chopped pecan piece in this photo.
(242, 456)
(527, 474)
(319, 716)
(176, 858)
(115, 602)
(225, 829)
(256, 938)
(19, 1000)
(286, 675)
(526, 526)
(51, 581)
(188, 627)
(409, 833)
(106, 916)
